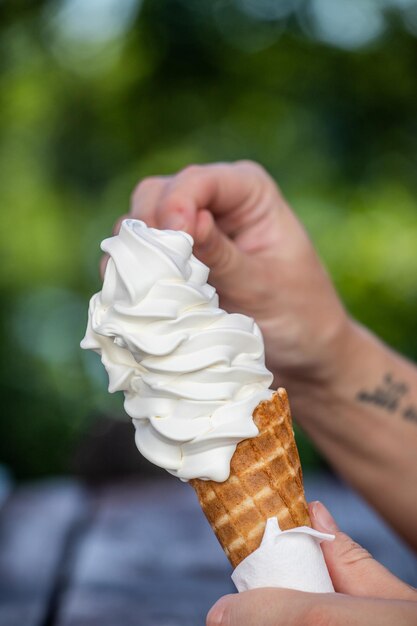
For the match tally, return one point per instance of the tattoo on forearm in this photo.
(410, 413)
(390, 395)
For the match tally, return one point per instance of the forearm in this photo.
(365, 423)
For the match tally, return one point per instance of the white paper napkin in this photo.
(290, 558)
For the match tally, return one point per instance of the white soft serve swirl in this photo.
(191, 373)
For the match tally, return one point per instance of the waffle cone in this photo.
(265, 481)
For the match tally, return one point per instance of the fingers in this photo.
(208, 202)
(220, 206)
(222, 188)
(217, 251)
(352, 569)
(269, 607)
(145, 199)
(181, 202)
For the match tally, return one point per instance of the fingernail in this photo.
(216, 614)
(322, 519)
(174, 221)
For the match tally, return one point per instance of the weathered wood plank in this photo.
(35, 523)
(149, 559)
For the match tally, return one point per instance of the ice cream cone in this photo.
(265, 481)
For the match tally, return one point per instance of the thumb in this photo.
(351, 567)
(231, 272)
(211, 245)
(215, 248)
(269, 607)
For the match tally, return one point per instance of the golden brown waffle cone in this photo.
(265, 481)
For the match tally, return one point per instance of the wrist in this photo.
(335, 379)
(353, 351)
(360, 361)
(363, 359)
(320, 363)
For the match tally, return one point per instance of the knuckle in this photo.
(190, 170)
(145, 185)
(255, 167)
(249, 163)
(258, 172)
(350, 551)
(171, 202)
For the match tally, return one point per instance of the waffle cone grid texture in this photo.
(265, 481)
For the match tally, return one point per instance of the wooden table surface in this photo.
(137, 553)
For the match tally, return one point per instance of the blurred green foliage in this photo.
(96, 95)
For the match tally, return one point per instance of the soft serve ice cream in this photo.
(191, 373)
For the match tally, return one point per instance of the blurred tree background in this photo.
(96, 94)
